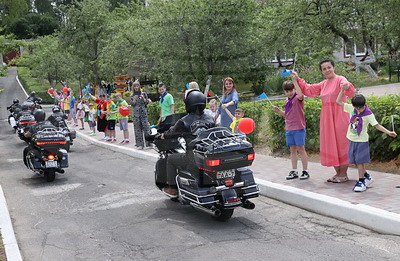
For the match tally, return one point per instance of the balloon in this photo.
(65, 89)
(124, 111)
(246, 125)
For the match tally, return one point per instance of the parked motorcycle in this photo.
(45, 154)
(217, 179)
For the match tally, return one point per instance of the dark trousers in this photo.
(174, 162)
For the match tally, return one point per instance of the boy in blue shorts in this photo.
(360, 117)
(295, 127)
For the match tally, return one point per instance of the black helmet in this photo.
(15, 101)
(56, 108)
(195, 101)
(39, 114)
(33, 94)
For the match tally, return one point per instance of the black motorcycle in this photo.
(217, 178)
(45, 154)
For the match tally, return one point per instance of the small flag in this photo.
(264, 96)
(286, 72)
(210, 93)
(187, 86)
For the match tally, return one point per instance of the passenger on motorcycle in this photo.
(57, 118)
(187, 127)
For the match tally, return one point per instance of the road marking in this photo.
(14, 160)
(120, 199)
(56, 189)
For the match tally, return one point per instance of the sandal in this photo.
(332, 179)
(340, 179)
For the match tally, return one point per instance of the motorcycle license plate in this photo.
(230, 173)
(51, 164)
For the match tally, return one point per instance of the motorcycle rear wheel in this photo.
(226, 214)
(49, 175)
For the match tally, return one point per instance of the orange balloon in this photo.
(246, 125)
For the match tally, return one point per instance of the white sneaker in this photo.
(368, 179)
(359, 187)
(106, 138)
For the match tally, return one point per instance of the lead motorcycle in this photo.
(45, 154)
(217, 179)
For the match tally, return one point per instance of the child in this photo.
(86, 110)
(92, 119)
(80, 112)
(111, 114)
(213, 111)
(295, 127)
(361, 117)
(239, 114)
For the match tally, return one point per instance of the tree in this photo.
(192, 40)
(33, 25)
(86, 32)
(11, 10)
(48, 60)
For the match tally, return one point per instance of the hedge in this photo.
(382, 147)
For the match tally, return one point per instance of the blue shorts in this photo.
(359, 152)
(295, 137)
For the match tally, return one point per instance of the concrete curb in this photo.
(372, 218)
(375, 219)
(10, 243)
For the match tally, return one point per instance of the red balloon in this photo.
(65, 89)
(246, 125)
(124, 111)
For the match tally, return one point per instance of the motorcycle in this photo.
(45, 154)
(14, 110)
(217, 179)
(69, 135)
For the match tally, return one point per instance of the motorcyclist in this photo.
(14, 105)
(33, 98)
(187, 127)
(57, 117)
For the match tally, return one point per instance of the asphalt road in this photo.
(106, 207)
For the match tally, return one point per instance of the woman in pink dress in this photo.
(333, 121)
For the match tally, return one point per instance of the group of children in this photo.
(360, 117)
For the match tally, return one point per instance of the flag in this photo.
(187, 86)
(286, 73)
(262, 96)
(210, 93)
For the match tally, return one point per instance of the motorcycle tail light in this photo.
(229, 182)
(250, 156)
(50, 157)
(233, 200)
(212, 163)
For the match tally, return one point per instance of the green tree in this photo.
(33, 25)
(86, 32)
(11, 10)
(193, 40)
(49, 61)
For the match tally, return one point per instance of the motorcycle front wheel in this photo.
(49, 174)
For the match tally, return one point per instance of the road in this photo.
(105, 207)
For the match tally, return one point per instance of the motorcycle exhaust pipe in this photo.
(247, 204)
(216, 212)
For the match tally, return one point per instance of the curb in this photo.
(378, 220)
(10, 243)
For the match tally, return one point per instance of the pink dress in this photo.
(333, 120)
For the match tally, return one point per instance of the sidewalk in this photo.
(378, 208)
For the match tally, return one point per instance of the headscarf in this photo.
(289, 103)
(358, 117)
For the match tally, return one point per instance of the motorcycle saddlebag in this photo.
(63, 154)
(26, 120)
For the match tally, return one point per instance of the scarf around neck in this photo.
(162, 96)
(289, 103)
(358, 117)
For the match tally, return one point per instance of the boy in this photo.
(295, 127)
(361, 117)
(239, 114)
(92, 119)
